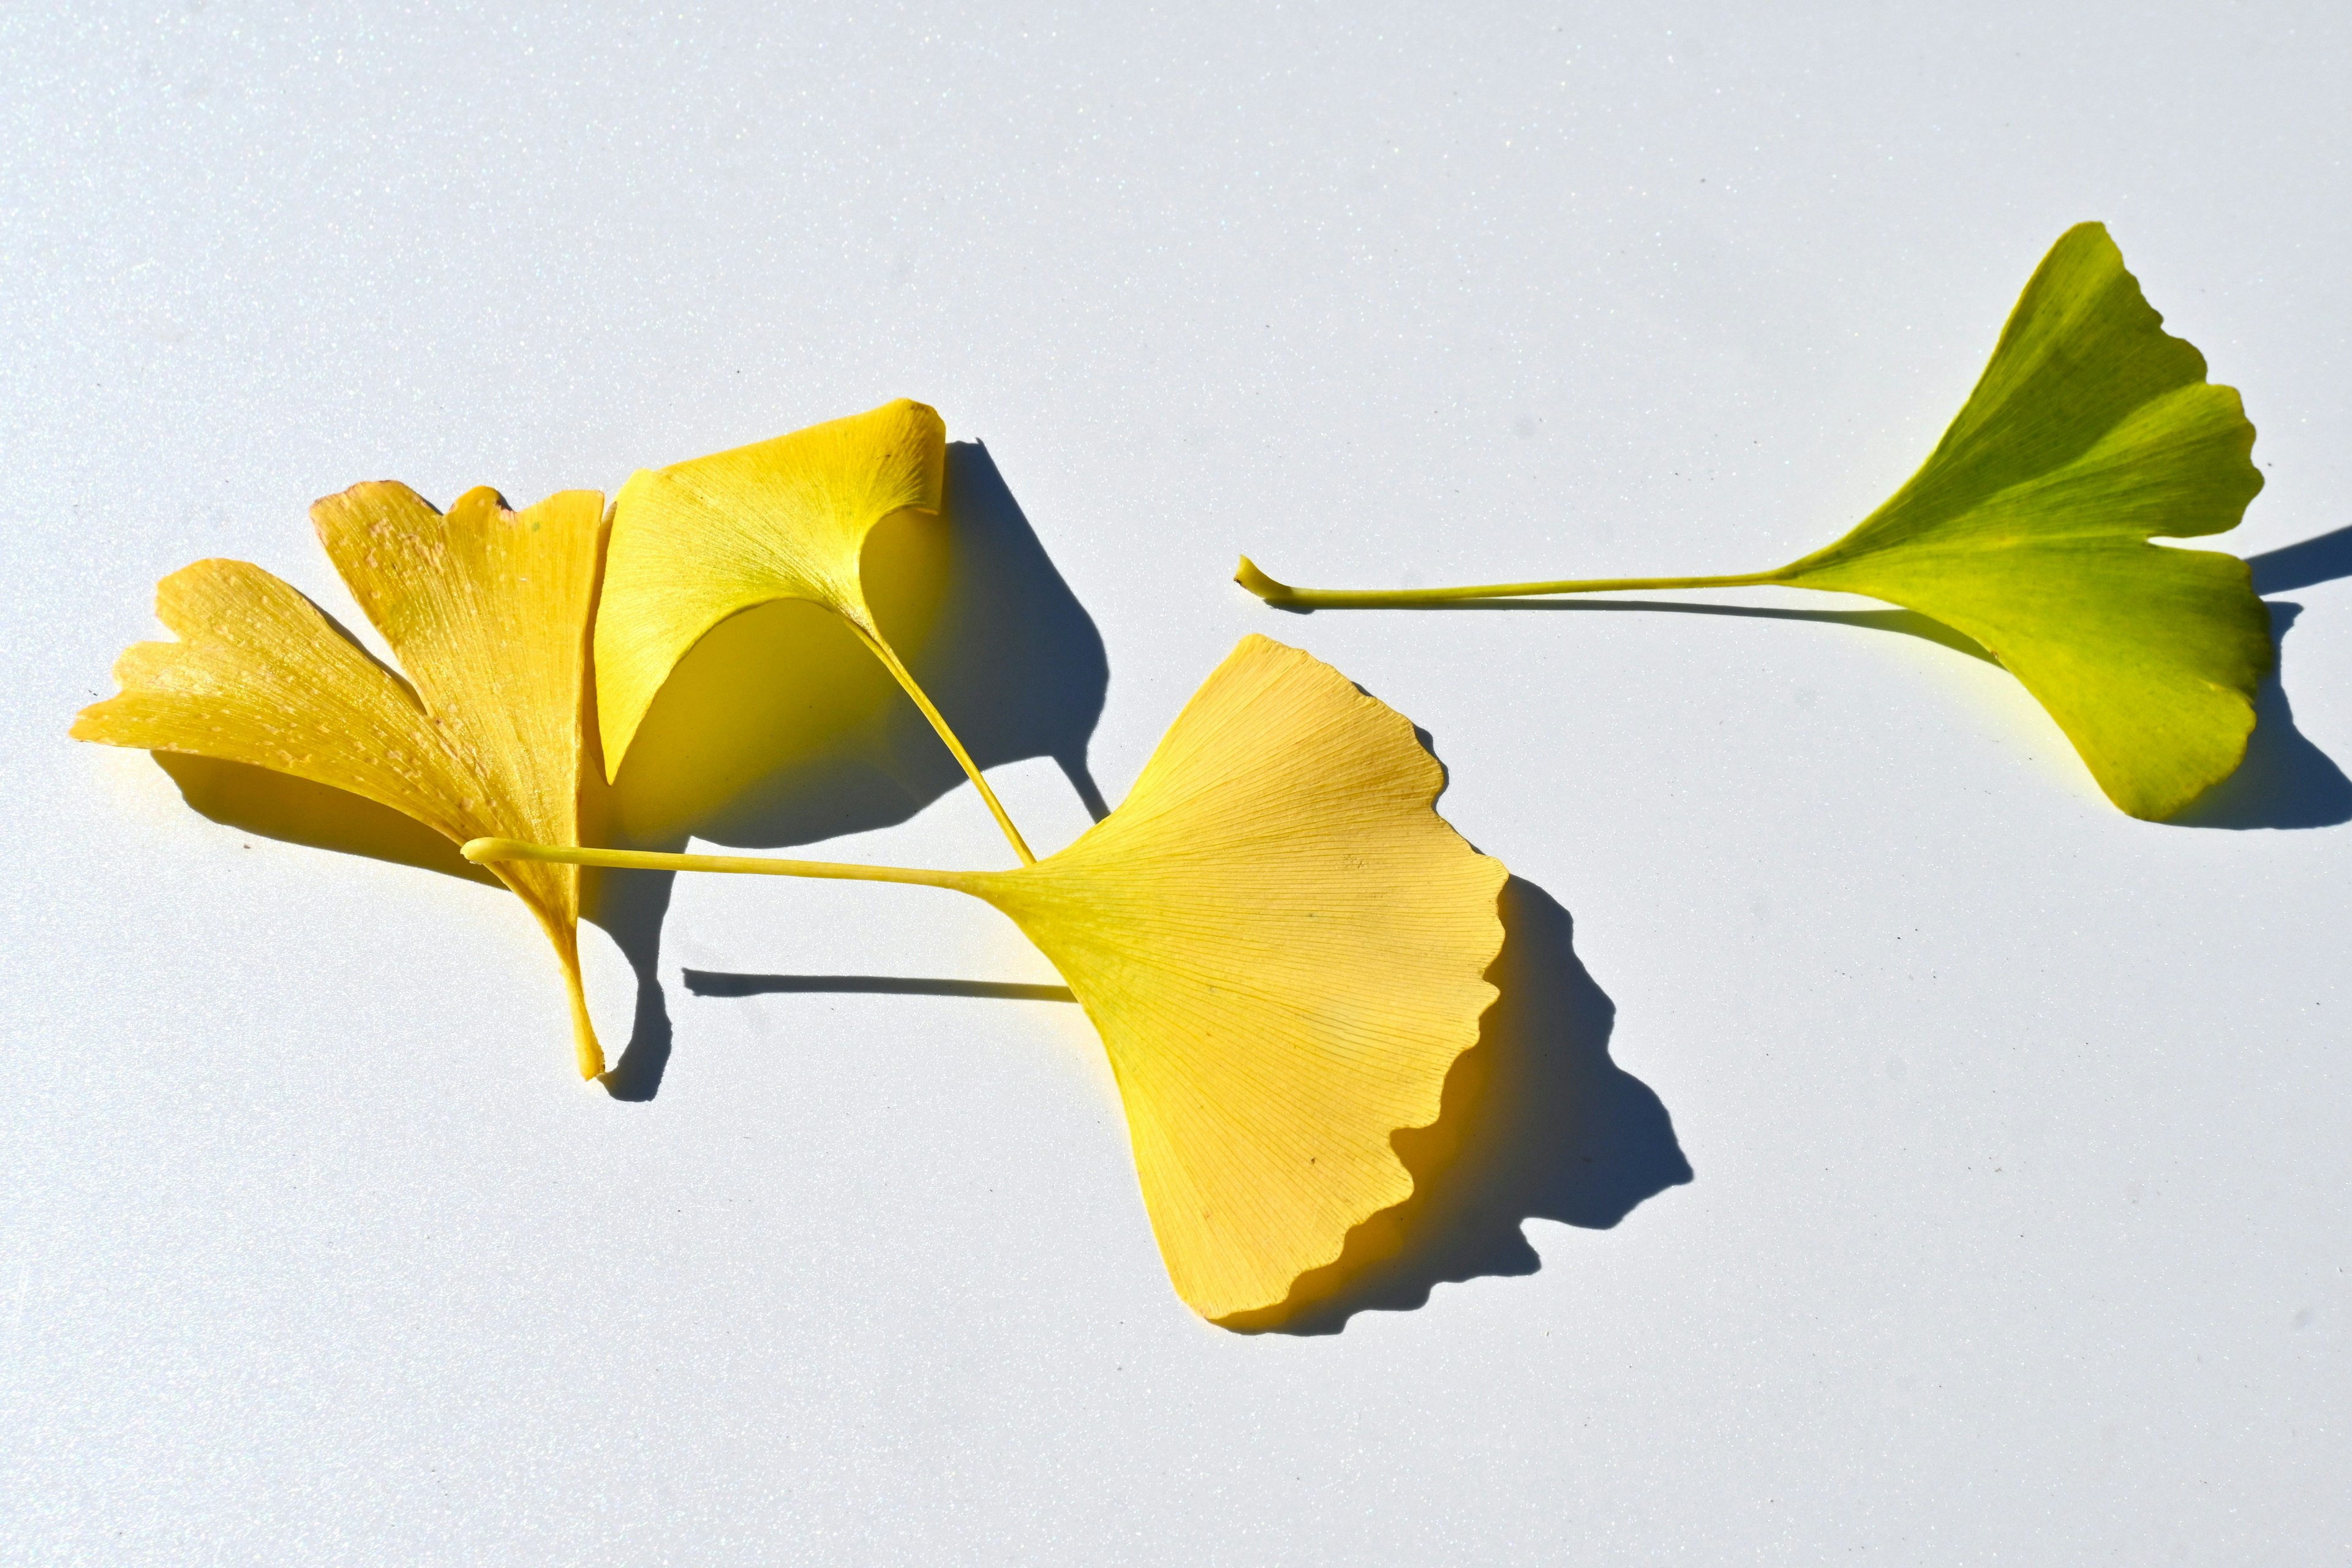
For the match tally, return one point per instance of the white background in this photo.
(2021, 1190)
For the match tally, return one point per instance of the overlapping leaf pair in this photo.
(1281, 943)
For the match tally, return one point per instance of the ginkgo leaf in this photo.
(2029, 529)
(763, 707)
(1284, 948)
(487, 611)
(789, 517)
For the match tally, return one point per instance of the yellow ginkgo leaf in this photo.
(699, 542)
(487, 611)
(1284, 947)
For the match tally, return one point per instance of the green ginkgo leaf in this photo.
(2029, 529)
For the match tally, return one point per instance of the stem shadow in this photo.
(717, 983)
(1904, 623)
(2323, 559)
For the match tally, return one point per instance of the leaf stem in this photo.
(585, 1047)
(906, 679)
(1283, 595)
(482, 851)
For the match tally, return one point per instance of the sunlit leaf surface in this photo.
(487, 611)
(2029, 529)
(698, 542)
(2092, 432)
(1283, 946)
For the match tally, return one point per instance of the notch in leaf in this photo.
(487, 611)
(1283, 946)
(2029, 529)
(789, 517)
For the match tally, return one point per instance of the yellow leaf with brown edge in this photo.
(487, 610)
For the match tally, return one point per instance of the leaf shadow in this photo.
(720, 982)
(2326, 558)
(779, 729)
(272, 804)
(1536, 1123)
(753, 745)
(1904, 623)
(2285, 782)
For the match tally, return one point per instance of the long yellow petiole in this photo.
(586, 1049)
(483, 851)
(1283, 593)
(905, 677)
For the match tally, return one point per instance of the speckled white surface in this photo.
(2023, 1196)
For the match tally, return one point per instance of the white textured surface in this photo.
(2022, 1198)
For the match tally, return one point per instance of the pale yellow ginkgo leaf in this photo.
(487, 611)
(1284, 948)
(699, 542)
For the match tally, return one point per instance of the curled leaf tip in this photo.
(1248, 575)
